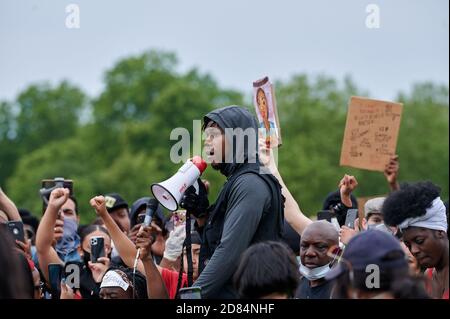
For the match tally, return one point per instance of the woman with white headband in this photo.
(118, 283)
(419, 213)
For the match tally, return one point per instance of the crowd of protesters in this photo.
(254, 242)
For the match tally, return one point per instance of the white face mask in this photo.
(314, 273)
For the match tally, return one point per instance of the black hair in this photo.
(409, 287)
(195, 238)
(85, 230)
(161, 223)
(334, 198)
(17, 280)
(400, 284)
(397, 281)
(74, 200)
(28, 218)
(410, 201)
(266, 268)
(139, 281)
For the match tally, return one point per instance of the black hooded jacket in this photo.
(249, 208)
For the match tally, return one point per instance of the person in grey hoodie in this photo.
(249, 207)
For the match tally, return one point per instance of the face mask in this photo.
(70, 240)
(314, 273)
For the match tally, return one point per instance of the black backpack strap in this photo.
(188, 245)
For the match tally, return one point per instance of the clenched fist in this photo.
(347, 185)
(391, 172)
(99, 204)
(58, 197)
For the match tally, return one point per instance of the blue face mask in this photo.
(70, 240)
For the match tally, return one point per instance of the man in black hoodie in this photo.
(249, 208)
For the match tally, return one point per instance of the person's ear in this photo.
(364, 224)
(108, 248)
(440, 234)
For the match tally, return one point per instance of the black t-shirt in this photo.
(89, 289)
(322, 291)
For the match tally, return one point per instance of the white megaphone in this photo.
(170, 192)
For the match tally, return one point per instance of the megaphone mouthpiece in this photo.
(199, 163)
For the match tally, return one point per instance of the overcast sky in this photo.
(236, 41)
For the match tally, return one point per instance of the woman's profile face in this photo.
(262, 104)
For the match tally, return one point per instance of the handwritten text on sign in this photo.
(371, 133)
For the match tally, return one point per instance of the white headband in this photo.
(113, 279)
(434, 218)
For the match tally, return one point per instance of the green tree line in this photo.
(119, 140)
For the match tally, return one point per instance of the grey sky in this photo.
(236, 41)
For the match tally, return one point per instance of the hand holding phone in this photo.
(352, 214)
(55, 275)
(97, 248)
(16, 229)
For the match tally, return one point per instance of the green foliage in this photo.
(123, 144)
(40, 115)
(424, 135)
(47, 114)
(131, 87)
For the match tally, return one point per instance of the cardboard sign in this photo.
(371, 133)
(266, 111)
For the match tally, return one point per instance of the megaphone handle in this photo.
(44, 198)
(197, 187)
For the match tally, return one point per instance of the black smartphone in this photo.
(55, 275)
(97, 248)
(16, 229)
(190, 293)
(352, 214)
(325, 215)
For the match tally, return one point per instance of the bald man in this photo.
(317, 239)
